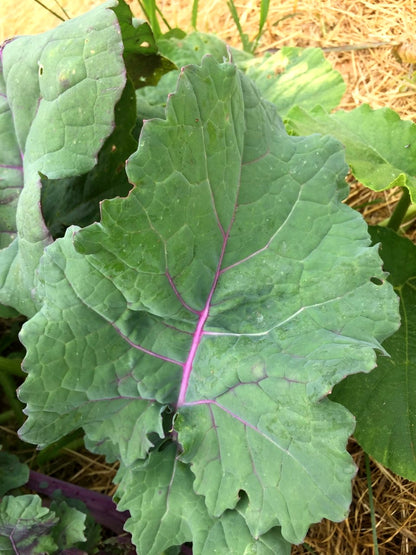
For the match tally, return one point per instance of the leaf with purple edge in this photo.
(44, 78)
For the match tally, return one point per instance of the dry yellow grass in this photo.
(373, 75)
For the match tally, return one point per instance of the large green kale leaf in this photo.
(202, 323)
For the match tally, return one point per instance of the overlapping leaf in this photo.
(383, 401)
(296, 77)
(217, 305)
(11, 170)
(61, 88)
(289, 77)
(150, 488)
(379, 146)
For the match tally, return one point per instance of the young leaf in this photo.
(69, 529)
(218, 304)
(61, 89)
(13, 473)
(383, 401)
(25, 526)
(379, 146)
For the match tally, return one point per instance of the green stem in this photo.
(409, 216)
(243, 37)
(49, 10)
(371, 503)
(194, 13)
(399, 212)
(308, 548)
(149, 9)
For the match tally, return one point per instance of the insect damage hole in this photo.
(376, 281)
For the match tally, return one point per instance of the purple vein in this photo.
(11, 167)
(199, 331)
(242, 421)
(267, 245)
(179, 296)
(147, 351)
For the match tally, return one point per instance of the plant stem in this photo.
(63, 9)
(102, 507)
(49, 10)
(308, 548)
(371, 503)
(264, 11)
(400, 210)
(194, 13)
(243, 37)
(150, 11)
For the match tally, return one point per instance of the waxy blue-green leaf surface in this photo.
(217, 305)
(150, 488)
(384, 401)
(379, 147)
(11, 169)
(61, 88)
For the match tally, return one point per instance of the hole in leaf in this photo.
(242, 496)
(376, 281)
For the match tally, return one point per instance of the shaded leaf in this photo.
(69, 529)
(13, 473)
(383, 401)
(144, 65)
(76, 200)
(379, 147)
(232, 288)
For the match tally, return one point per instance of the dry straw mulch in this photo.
(346, 29)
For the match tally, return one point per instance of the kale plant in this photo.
(195, 284)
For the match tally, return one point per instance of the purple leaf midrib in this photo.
(199, 331)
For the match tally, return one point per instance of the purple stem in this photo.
(101, 507)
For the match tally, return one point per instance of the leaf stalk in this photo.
(400, 210)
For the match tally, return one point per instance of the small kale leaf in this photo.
(26, 527)
(211, 312)
(13, 473)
